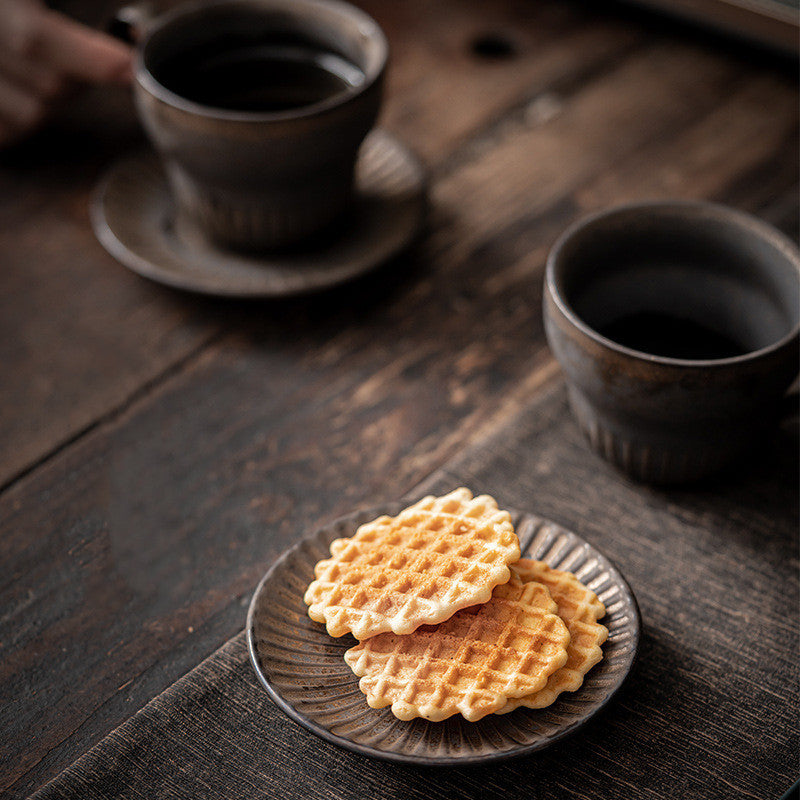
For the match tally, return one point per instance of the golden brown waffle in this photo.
(470, 664)
(580, 608)
(396, 573)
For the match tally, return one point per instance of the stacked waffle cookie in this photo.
(449, 619)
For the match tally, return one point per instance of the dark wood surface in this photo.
(157, 451)
(707, 713)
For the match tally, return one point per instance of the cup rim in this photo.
(741, 219)
(367, 25)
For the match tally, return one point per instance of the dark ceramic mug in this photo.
(677, 327)
(257, 179)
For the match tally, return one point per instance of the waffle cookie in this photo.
(436, 557)
(580, 609)
(470, 664)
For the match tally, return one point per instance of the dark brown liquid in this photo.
(266, 77)
(672, 337)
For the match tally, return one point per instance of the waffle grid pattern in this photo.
(436, 557)
(579, 608)
(470, 664)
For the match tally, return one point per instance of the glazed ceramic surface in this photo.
(664, 419)
(133, 215)
(257, 180)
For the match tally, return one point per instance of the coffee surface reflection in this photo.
(267, 77)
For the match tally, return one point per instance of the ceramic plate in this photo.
(133, 217)
(303, 669)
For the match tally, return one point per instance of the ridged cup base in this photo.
(684, 459)
(264, 222)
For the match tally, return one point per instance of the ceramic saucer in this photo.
(133, 217)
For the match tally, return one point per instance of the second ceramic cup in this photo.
(250, 169)
(677, 327)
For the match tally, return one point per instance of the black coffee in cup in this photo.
(674, 296)
(672, 336)
(258, 109)
(258, 76)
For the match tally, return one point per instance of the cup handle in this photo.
(129, 22)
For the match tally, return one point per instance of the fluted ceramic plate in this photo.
(134, 218)
(304, 672)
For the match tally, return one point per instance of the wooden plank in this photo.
(714, 697)
(709, 710)
(80, 338)
(169, 512)
(440, 90)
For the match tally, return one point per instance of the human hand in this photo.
(43, 55)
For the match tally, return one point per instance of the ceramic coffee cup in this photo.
(676, 325)
(262, 175)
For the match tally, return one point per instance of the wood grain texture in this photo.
(80, 337)
(129, 555)
(708, 712)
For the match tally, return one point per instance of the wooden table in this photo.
(159, 450)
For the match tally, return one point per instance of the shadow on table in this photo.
(750, 490)
(646, 717)
(316, 317)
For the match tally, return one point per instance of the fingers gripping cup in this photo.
(257, 109)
